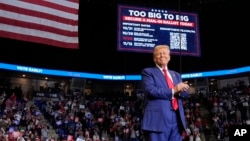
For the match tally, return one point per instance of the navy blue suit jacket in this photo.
(158, 100)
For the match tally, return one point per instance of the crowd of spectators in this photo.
(116, 118)
(229, 106)
(96, 118)
(20, 121)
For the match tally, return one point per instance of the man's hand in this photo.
(181, 87)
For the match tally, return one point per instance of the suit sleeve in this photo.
(154, 86)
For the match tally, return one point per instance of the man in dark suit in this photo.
(161, 122)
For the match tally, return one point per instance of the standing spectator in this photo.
(45, 132)
(96, 136)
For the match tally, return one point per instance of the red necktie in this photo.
(171, 85)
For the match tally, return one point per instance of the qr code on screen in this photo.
(178, 41)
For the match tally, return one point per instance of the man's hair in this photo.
(160, 46)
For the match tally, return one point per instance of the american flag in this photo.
(51, 22)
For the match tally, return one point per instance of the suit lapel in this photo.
(160, 76)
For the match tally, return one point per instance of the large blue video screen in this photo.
(141, 28)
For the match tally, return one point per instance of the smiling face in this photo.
(161, 55)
